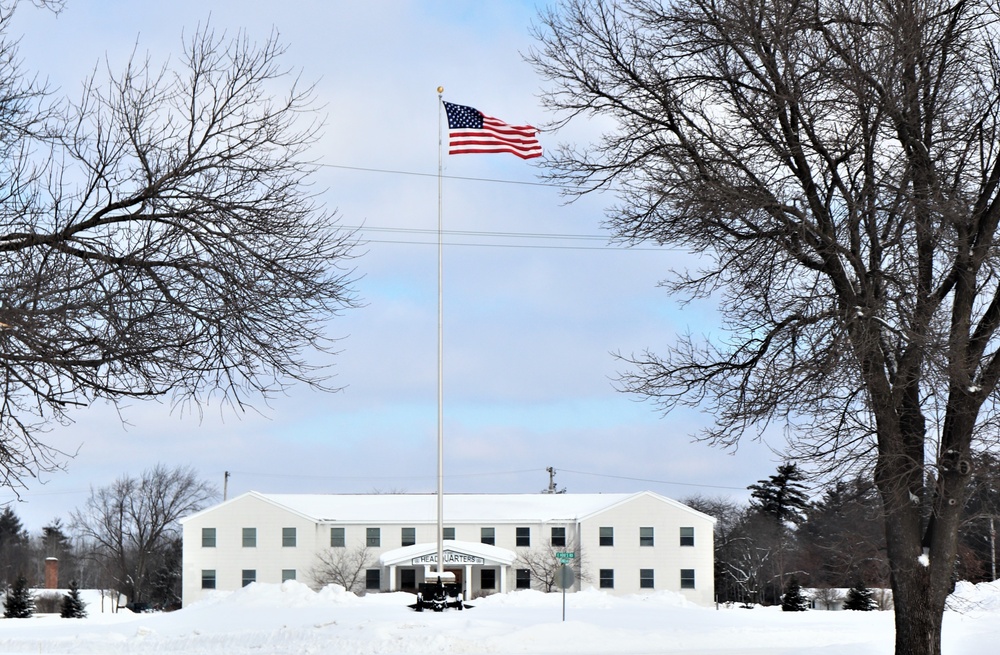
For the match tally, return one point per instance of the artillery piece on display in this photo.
(440, 595)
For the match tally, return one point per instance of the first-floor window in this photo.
(407, 578)
(249, 575)
(559, 537)
(687, 578)
(208, 578)
(488, 579)
(287, 574)
(646, 579)
(337, 538)
(373, 537)
(373, 579)
(208, 537)
(288, 537)
(523, 579)
(607, 577)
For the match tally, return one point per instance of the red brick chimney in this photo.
(51, 573)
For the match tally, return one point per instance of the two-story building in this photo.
(621, 543)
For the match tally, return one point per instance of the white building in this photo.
(622, 543)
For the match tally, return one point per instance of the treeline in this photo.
(125, 538)
(835, 540)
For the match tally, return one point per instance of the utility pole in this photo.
(993, 550)
(225, 486)
(552, 483)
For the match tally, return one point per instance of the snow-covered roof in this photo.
(458, 508)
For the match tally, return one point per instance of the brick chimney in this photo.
(51, 573)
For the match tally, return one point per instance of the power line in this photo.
(450, 177)
(624, 477)
(496, 235)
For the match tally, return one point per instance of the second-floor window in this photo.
(337, 538)
(288, 537)
(607, 537)
(645, 536)
(488, 536)
(559, 537)
(408, 537)
(373, 537)
(249, 538)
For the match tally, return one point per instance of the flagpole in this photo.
(440, 352)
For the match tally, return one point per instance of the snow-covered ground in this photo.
(290, 618)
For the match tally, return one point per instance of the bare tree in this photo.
(159, 237)
(836, 166)
(343, 566)
(131, 525)
(544, 565)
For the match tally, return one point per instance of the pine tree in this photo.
(793, 600)
(73, 606)
(19, 603)
(860, 598)
(782, 495)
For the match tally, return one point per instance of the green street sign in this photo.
(562, 557)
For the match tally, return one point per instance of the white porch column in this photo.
(467, 594)
(503, 579)
(392, 577)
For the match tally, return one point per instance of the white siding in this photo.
(625, 513)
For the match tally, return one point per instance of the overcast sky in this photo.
(530, 323)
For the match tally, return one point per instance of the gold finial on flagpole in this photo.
(440, 89)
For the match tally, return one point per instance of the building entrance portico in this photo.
(464, 559)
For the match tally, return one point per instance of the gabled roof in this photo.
(484, 551)
(458, 508)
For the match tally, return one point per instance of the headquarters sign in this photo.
(450, 557)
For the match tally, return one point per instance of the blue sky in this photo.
(529, 330)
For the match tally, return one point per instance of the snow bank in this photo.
(969, 597)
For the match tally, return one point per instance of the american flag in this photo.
(470, 131)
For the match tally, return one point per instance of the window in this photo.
(523, 579)
(208, 537)
(409, 536)
(250, 538)
(337, 538)
(373, 578)
(645, 536)
(607, 577)
(488, 536)
(373, 537)
(524, 537)
(607, 537)
(646, 579)
(287, 574)
(208, 578)
(687, 536)
(249, 575)
(487, 578)
(687, 578)
(559, 537)
(288, 537)
(408, 579)
(448, 533)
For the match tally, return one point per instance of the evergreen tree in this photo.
(73, 606)
(782, 495)
(793, 600)
(19, 603)
(860, 598)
